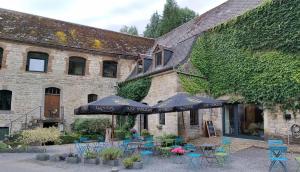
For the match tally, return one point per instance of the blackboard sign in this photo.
(211, 131)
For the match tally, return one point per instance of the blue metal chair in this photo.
(226, 141)
(179, 141)
(190, 147)
(275, 142)
(195, 160)
(126, 148)
(146, 155)
(277, 156)
(149, 138)
(83, 139)
(81, 149)
(149, 145)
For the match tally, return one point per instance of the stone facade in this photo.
(28, 88)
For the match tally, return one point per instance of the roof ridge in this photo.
(73, 23)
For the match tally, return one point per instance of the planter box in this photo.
(136, 165)
(91, 161)
(73, 160)
(42, 157)
(111, 162)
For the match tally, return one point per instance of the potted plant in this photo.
(73, 158)
(145, 133)
(90, 157)
(110, 156)
(133, 162)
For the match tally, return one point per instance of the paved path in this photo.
(247, 160)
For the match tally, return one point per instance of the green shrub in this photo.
(111, 153)
(91, 126)
(40, 136)
(90, 155)
(145, 133)
(165, 139)
(120, 134)
(127, 162)
(69, 138)
(136, 158)
(3, 146)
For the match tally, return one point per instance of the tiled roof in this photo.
(181, 39)
(27, 28)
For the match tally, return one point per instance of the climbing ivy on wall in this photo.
(255, 55)
(136, 90)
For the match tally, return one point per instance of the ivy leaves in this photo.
(135, 90)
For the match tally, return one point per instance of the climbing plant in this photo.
(135, 90)
(255, 56)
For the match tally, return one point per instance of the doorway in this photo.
(243, 120)
(52, 102)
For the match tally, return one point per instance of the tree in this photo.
(173, 16)
(131, 30)
(152, 29)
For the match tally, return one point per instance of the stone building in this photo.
(49, 67)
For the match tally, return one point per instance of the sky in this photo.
(105, 14)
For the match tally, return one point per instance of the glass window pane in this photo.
(158, 58)
(110, 69)
(36, 65)
(76, 66)
(5, 100)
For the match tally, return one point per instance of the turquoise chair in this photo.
(149, 138)
(80, 149)
(190, 147)
(195, 160)
(149, 145)
(179, 141)
(83, 139)
(226, 141)
(146, 156)
(277, 156)
(275, 142)
(222, 155)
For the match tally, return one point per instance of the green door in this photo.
(3, 132)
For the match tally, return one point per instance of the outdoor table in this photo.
(208, 151)
(137, 145)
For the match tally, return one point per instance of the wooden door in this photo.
(52, 102)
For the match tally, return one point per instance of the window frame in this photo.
(115, 73)
(44, 56)
(194, 117)
(90, 96)
(8, 100)
(161, 58)
(1, 57)
(77, 61)
(161, 117)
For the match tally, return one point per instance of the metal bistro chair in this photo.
(190, 147)
(277, 155)
(222, 155)
(275, 142)
(127, 149)
(195, 160)
(80, 148)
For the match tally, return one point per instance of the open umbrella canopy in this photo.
(185, 102)
(113, 105)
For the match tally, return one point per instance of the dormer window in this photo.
(139, 66)
(158, 59)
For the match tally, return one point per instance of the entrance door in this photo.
(145, 121)
(243, 120)
(4, 131)
(52, 102)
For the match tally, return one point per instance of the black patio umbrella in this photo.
(185, 102)
(114, 105)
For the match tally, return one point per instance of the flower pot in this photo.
(73, 160)
(137, 165)
(111, 162)
(55, 158)
(91, 161)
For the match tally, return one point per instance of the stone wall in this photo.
(28, 88)
(162, 87)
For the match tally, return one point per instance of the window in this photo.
(37, 62)
(1, 57)
(76, 66)
(5, 99)
(139, 66)
(194, 117)
(158, 58)
(92, 98)
(162, 117)
(110, 69)
(52, 91)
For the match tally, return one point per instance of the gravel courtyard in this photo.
(247, 160)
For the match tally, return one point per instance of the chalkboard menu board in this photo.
(211, 131)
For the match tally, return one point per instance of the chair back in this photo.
(149, 144)
(190, 147)
(149, 138)
(83, 139)
(81, 149)
(179, 140)
(275, 142)
(277, 152)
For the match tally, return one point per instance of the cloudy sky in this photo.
(106, 14)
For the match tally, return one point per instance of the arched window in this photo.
(37, 62)
(1, 57)
(110, 69)
(92, 97)
(5, 99)
(76, 66)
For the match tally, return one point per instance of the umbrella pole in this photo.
(184, 128)
(112, 129)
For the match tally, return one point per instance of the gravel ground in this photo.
(247, 160)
